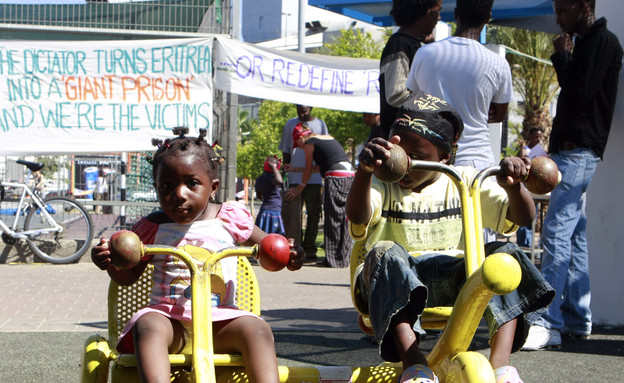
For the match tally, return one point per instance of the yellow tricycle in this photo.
(449, 358)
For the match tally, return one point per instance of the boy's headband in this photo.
(431, 118)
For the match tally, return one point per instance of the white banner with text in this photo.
(341, 83)
(62, 97)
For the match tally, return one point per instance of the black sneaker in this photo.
(311, 258)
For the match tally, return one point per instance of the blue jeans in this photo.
(565, 262)
(524, 236)
(393, 281)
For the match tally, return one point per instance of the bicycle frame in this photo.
(455, 340)
(26, 190)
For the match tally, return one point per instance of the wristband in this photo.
(304, 185)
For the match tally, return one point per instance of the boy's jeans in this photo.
(565, 259)
(394, 281)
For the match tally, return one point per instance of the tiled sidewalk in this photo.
(44, 297)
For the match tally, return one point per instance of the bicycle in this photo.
(57, 229)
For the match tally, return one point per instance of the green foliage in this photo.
(260, 137)
(535, 80)
(246, 125)
(387, 32)
(50, 166)
(514, 148)
(353, 43)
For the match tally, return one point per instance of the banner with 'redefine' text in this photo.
(101, 96)
(331, 82)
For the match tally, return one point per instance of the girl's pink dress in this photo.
(171, 294)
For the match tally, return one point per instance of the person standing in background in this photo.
(534, 147)
(311, 195)
(472, 79)
(336, 170)
(588, 71)
(373, 121)
(101, 190)
(416, 20)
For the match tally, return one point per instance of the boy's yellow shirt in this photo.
(430, 220)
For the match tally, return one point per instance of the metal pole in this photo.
(122, 213)
(301, 35)
(232, 139)
(236, 19)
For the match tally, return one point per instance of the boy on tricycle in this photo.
(413, 231)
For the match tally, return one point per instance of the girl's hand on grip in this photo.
(100, 254)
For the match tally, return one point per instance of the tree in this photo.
(534, 77)
(353, 43)
(257, 141)
(50, 165)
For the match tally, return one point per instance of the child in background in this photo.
(185, 171)
(412, 229)
(268, 189)
(101, 190)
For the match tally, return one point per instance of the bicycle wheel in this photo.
(68, 245)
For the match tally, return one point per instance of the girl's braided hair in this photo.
(188, 145)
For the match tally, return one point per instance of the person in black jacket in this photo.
(588, 69)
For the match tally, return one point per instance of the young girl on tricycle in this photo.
(185, 173)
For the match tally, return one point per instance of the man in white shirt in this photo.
(471, 78)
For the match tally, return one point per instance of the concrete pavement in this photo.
(44, 297)
(49, 310)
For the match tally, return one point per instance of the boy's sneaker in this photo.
(418, 373)
(541, 338)
(507, 374)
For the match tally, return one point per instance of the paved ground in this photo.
(49, 310)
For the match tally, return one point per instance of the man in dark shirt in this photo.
(416, 20)
(588, 77)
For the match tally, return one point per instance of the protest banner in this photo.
(101, 96)
(341, 83)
